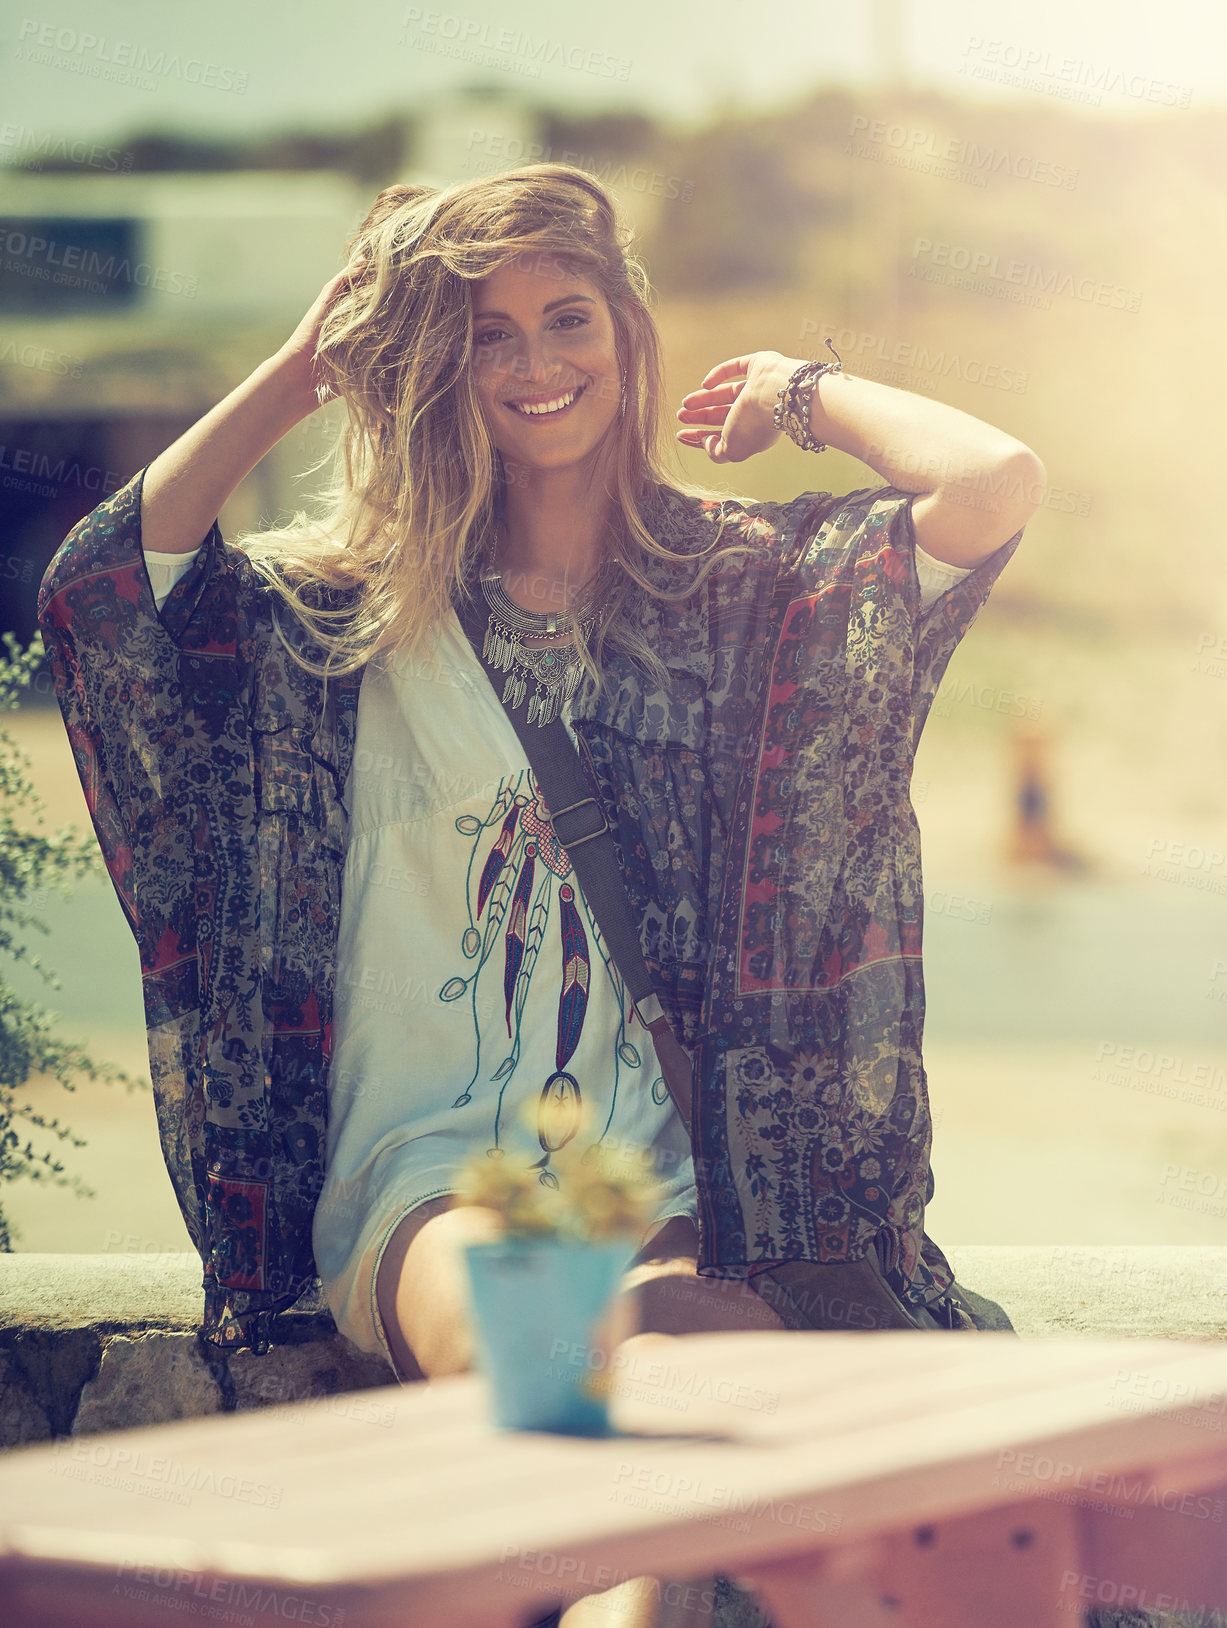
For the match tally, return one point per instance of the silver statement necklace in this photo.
(553, 669)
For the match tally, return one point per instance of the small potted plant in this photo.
(540, 1293)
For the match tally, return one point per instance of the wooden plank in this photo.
(435, 1501)
(1170, 1556)
(1002, 1567)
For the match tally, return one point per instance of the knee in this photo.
(445, 1349)
(431, 1302)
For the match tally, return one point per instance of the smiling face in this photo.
(544, 362)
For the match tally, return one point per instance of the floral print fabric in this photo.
(771, 847)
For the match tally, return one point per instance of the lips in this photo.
(547, 406)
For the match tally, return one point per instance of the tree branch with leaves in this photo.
(30, 864)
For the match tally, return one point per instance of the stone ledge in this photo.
(92, 1343)
(109, 1293)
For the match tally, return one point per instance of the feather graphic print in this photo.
(497, 858)
(517, 927)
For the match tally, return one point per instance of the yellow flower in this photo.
(604, 1192)
(515, 1193)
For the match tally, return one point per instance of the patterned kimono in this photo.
(761, 806)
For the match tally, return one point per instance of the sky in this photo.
(103, 69)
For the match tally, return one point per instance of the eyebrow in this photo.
(483, 316)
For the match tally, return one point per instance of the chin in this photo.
(538, 458)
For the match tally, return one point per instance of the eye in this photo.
(490, 336)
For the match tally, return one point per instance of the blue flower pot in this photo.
(536, 1304)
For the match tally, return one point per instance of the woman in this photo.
(364, 951)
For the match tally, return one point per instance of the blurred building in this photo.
(132, 304)
(474, 130)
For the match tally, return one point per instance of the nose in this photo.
(535, 363)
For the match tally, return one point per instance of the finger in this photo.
(708, 441)
(736, 367)
(702, 415)
(720, 393)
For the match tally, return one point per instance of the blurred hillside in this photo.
(826, 225)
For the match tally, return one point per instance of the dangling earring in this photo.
(622, 397)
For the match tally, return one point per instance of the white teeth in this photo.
(546, 406)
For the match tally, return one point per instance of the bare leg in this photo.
(421, 1288)
(672, 1300)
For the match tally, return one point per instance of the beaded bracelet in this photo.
(792, 409)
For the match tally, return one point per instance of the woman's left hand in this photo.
(739, 398)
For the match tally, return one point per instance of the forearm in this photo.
(186, 485)
(913, 442)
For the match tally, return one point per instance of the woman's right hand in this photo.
(186, 485)
(296, 362)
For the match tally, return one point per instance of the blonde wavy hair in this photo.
(416, 482)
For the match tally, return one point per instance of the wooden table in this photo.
(853, 1480)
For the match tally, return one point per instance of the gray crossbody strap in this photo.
(578, 821)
